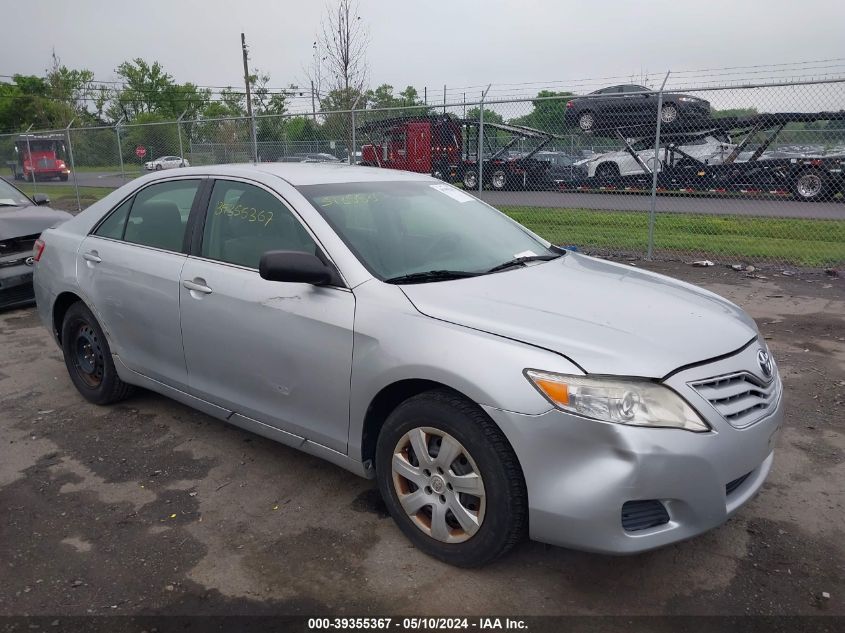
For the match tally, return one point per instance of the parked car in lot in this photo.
(630, 104)
(22, 219)
(708, 150)
(494, 384)
(563, 168)
(166, 162)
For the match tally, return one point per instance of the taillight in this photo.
(37, 249)
(569, 104)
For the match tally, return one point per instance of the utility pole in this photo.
(313, 107)
(249, 100)
(444, 98)
(425, 95)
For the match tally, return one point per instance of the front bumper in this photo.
(15, 283)
(580, 472)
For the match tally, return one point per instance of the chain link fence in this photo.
(737, 174)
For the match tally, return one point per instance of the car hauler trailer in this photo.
(448, 148)
(747, 167)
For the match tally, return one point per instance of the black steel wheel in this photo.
(88, 358)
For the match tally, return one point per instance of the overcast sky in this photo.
(461, 43)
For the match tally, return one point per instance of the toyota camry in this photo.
(494, 385)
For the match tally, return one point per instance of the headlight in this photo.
(633, 402)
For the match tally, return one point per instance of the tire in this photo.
(470, 179)
(158, 167)
(63, 177)
(669, 114)
(607, 171)
(499, 180)
(810, 186)
(88, 358)
(586, 121)
(493, 521)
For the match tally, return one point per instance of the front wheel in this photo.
(499, 179)
(63, 177)
(158, 167)
(88, 358)
(470, 179)
(451, 480)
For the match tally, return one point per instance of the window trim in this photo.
(195, 250)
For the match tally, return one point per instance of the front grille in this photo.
(736, 483)
(644, 514)
(740, 398)
(23, 244)
(16, 294)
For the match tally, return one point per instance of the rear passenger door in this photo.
(279, 354)
(129, 268)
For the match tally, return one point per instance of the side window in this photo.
(160, 213)
(244, 221)
(113, 225)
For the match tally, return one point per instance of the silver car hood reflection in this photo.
(608, 318)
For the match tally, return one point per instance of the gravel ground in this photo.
(149, 507)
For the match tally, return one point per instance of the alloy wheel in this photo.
(669, 113)
(809, 186)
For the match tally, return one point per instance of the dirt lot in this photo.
(150, 507)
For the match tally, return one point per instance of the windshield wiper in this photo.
(430, 275)
(518, 261)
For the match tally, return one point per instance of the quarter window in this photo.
(244, 221)
(113, 225)
(159, 214)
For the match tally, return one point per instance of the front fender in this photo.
(394, 342)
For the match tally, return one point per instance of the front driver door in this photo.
(279, 353)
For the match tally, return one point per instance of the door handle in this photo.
(91, 256)
(197, 285)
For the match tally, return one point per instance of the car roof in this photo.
(306, 173)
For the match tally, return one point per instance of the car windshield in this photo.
(11, 197)
(400, 228)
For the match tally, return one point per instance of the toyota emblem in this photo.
(765, 362)
(29, 261)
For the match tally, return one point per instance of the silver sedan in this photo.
(493, 384)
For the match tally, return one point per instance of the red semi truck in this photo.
(447, 147)
(40, 156)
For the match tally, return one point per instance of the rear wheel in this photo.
(607, 171)
(470, 179)
(88, 358)
(669, 113)
(586, 121)
(810, 186)
(450, 479)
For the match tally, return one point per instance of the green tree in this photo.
(549, 109)
(147, 89)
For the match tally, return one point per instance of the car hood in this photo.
(607, 318)
(32, 220)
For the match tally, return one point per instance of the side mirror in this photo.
(294, 267)
(41, 199)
